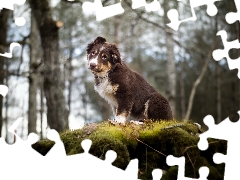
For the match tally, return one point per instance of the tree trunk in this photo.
(170, 66)
(57, 113)
(238, 36)
(41, 109)
(117, 30)
(33, 77)
(6, 100)
(117, 21)
(3, 37)
(219, 101)
(70, 75)
(182, 92)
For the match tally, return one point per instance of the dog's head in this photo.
(102, 56)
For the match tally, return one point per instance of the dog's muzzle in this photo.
(92, 66)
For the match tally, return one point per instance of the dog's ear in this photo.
(115, 55)
(98, 40)
(89, 47)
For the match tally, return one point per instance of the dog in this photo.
(127, 92)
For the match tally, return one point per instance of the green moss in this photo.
(43, 146)
(171, 173)
(103, 143)
(150, 143)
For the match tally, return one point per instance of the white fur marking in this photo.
(93, 61)
(102, 48)
(114, 110)
(136, 122)
(120, 119)
(107, 91)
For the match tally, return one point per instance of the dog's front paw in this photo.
(136, 122)
(118, 120)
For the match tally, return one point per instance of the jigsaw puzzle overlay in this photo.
(20, 158)
(219, 54)
(180, 162)
(116, 9)
(173, 15)
(23, 157)
(231, 159)
(231, 17)
(20, 21)
(224, 53)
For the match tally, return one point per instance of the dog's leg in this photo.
(120, 118)
(122, 112)
(136, 122)
(158, 108)
(113, 110)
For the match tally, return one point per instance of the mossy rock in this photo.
(150, 143)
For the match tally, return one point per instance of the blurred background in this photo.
(51, 87)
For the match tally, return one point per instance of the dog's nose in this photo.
(92, 65)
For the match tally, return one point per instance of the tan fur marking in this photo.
(115, 88)
(104, 69)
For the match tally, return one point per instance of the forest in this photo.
(51, 86)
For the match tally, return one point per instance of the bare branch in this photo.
(140, 15)
(199, 79)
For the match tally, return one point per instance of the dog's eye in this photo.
(104, 56)
(94, 52)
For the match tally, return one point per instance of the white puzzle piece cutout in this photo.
(20, 156)
(180, 162)
(234, 16)
(21, 159)
(58, 149)
(153, 6)
(20, 21)
(229, 131)
(3, 90)
(224, 53)
(103, 12)
(157, 174)
(9, 4)
(12, 46)
(173, 14)
(90, 167)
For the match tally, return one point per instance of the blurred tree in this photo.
(199, 79)
(35, 50)
(57, 113)
(4, 13)
(170, 65)
(218, 88)
(146, 45)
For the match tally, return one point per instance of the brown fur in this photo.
(126, 91)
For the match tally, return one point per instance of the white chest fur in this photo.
(107, 91)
